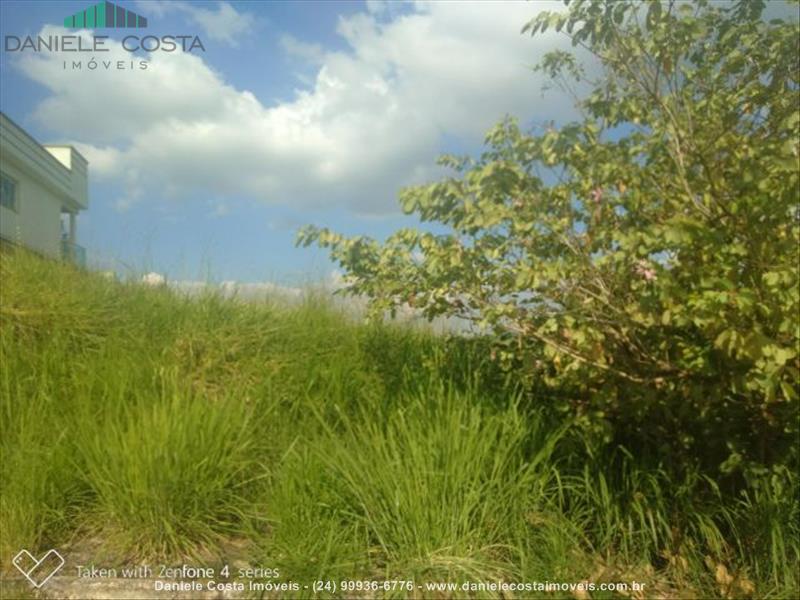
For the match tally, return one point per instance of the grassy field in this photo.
(154, 427)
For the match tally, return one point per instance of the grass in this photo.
(158, 427)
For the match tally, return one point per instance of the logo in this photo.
(106, 14)
(38, 572)
(103, 15)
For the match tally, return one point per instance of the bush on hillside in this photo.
(651, 276)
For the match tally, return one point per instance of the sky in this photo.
(204, 164)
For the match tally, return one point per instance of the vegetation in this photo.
(629, 415)
(144, 425)
(641, 264)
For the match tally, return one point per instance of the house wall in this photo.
(37, 222)
(50, 180)
(79, 178)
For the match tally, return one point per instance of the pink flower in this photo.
(645, 270)
(597, 195)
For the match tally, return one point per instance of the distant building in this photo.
(42, 190)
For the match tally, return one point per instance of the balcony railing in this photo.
(74, 253)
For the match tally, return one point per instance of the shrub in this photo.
(643, 261)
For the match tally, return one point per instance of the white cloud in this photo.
(372, 121)
(312, 53)
(154, 279)
(377, 6)
(225, 24)
(245, 291)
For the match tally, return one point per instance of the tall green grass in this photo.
(145, 424)
(168, 475)
(440, 484)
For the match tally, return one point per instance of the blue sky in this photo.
(206, 163)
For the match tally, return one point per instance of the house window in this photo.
(8, 192)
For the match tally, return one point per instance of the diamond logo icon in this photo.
(38, 571)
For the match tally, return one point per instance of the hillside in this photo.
(141, 426)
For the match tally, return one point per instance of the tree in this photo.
(657, 274)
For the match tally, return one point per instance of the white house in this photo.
(42, 190)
